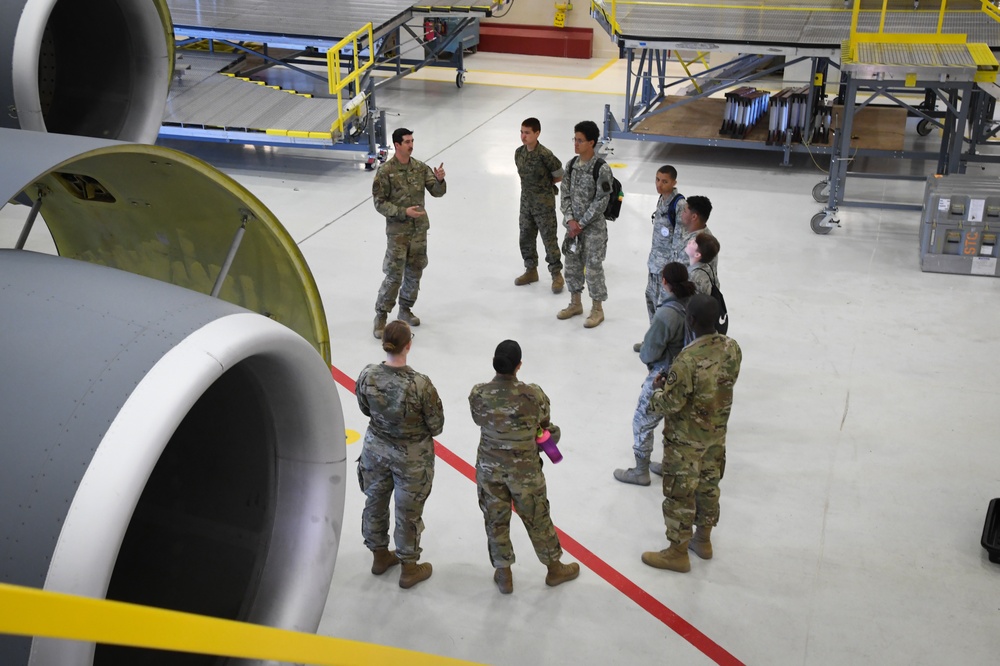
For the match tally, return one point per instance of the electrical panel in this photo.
(960, 225)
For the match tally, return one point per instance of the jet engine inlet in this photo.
(99, 68)
(161, 447)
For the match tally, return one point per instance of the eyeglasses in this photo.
(576, 140)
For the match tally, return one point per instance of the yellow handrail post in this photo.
(337, 83)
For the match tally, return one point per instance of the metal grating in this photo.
(824, 29)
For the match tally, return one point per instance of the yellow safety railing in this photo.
(991, 10)
(882, 37)
(30, 612)
(338, 82)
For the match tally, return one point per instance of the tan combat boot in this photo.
(504, 580)
(596, 315)
(413, 573)
(560, 573)
(557, 282)
(701, 544)
(574, 308)
(379, 328)
(674, 558)
(530, 275)
(384, 559)
(405, 314)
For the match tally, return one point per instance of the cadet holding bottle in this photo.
(509, 468)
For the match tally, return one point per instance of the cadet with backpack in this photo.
(665, 230)
(586, 189)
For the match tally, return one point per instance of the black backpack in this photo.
(723, 324)
(614, 207)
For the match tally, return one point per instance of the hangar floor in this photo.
(862, 451)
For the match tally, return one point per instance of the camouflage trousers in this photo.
(691, 478)
(518, 480)
(587, 260)
(654, 294)
(403, 265)
(643, 421)
(410, 480)
(535, 221)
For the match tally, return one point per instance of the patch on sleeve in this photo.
(671, 378)
(606, 187)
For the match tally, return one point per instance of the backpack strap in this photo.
(672, 209)
(715, 280)
(597, 168)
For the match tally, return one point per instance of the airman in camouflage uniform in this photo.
(665, 228)
(701, 251)
(696, 398)
(663, 341)
(539, 171)
(398, 193)
(693, 219)
(509, 468)
(398, 455)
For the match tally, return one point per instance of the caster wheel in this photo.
(821, 192)
(924, 127)
(460, 79)
(816, 224)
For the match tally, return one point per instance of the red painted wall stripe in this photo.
(646, 601)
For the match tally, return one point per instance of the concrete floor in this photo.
(862, 453)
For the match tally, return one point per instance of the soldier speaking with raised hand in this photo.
(398, 193)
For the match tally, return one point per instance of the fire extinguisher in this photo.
(429, 34)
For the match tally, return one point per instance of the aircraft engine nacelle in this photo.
(161, 447)
(98, 68)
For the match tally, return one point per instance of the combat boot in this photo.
(574, 308)
(674, 558)
(413, 573)
(560, 573)
(638, 475)
(596, 315)
(530, 275)
(557, 282)
(504, 580)
(656, 468)
(701, 544)
(384, 559)
(379, 325)
(406, 314)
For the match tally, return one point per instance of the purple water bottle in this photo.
(547, 444)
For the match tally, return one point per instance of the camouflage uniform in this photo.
(663, 341)
(680, 240)
(584, 200)
(396, 187)
(702, 275)
(665, 229)
(537, 169)
(398, 453)
(509, 468)
(696, 400)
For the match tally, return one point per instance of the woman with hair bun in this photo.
(664, 339)
(398, 454)
(509, 468)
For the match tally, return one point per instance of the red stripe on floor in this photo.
(646, 601)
